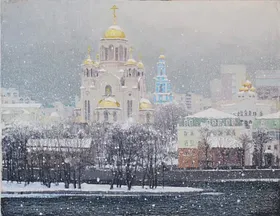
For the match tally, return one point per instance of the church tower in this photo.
(113, 86)
(162, 92)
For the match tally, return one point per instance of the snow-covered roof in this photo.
(55, 114)
(22, 105)
(212, 113)
(144, 100)
(271, 116)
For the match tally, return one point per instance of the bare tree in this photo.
(205, 145)
(260, 138)
(245, 145)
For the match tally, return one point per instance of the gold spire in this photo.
(114, 8)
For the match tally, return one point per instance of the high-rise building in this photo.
(216, 90)
(231, 78)
(163, 93)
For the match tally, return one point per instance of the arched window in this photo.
(111, 52)
(106, 54)
(117, 54)
(250, 122)
(214, 123)
(106, 116)
(245, 113)
(115, 116)
(138, 74)
(134, 73)
(227, 122)
(108, 90)
(87, 73)
(121, 53)
(86, 107)
(148, 118)
(250, 113)
(97, 116)
(125, 54)
(161, 88)
(88, 110)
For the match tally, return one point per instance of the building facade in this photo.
(113, 86)
(163, 93)
(271, 123)
(223, 131)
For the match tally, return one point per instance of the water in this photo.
(252, 199)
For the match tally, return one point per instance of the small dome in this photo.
(140, 65)
(145, 104)
(247, 84)
(161, 57)
(131, 61)
(252, 89)
(246, 89)
(88, 61)
(108, 102)
(242, 89)
(114, 32)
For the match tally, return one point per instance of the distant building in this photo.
(231, 78)
(224, 130)
(268, 84)
(12, 96)
(271, 123)
(216, 90)
(163, 93)
(196, 103)
(246, 105)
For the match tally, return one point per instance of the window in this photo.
(106, 116)
(106, 54)
(186, 143)
(121, 53)
(185, 133)
(161, 88)
(87, 73)
(192, 133)
(186, 123)
(254, 113)
(261, 113)
(250, 113)
(275, 147)
(191, 123)
(245, 112)
(125, 54)
(117, 54)
(233, 122)
(88, 110)
(129, 108)
(115, 116)
(214, 123)
(108, 90)
(220, 122)
(86, 107)
(148, 118)
(111, 52)
(227, 122)
(269, 147)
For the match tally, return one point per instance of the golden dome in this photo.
(140, 65)
(161, 57)
(145, 104)
(114, 32)
(131, 61)
(108, 102)
(252, 89)
(88, 61)
(246, 89)
(247, 84)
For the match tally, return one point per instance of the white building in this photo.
(196, 103)
(12, 96)
(246, 105)
(113, 87)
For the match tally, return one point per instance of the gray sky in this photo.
(45, 41)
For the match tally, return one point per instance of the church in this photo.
(113, 85)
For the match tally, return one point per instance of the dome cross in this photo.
(114, 8)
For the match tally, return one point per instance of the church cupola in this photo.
(88, 62)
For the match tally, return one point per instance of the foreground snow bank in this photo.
(38, 187)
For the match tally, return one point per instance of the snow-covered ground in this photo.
(38, 187)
